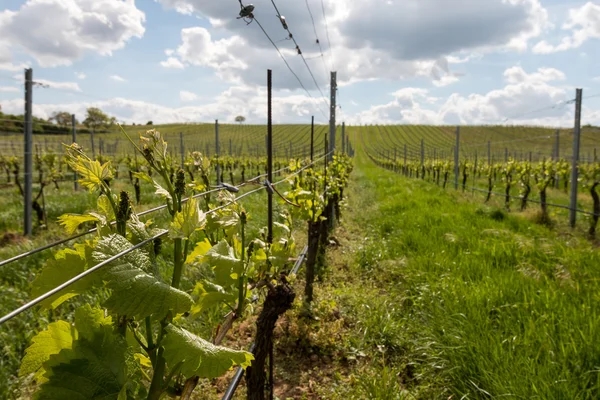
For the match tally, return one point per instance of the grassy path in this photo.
(431, 296)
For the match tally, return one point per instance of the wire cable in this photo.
(327, 32)
(286, 27)
(76, 278)
(317, 37)
(287, 64)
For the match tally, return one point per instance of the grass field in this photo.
(433, 296)
(428, 293)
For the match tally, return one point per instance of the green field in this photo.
(425, 293)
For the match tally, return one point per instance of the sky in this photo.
(397, 61)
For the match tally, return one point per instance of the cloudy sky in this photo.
(397, 61)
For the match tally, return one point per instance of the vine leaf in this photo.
(94, 368)
(135, 292)
(199, 357)
(91, 173)
(67, 263)
(88, 320)
(199, 251)
(209, 295)
(226, 266)
(72, 221)
(162, 192)
(58, 336)
(189, 220)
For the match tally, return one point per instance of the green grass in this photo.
(446, 297)
(519, 141)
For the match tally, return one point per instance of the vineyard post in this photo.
(530, 157)
(217, 151)
(456, 152)
(595, 157)
(422, 152)
(506, 154)
(181, 150)
(28, 157)
(230, 147)
(74, 139)
(557, 145)
(395, 157)
(575, 162)
(270, 202)
(312, 137)
(333, 86)
(291, 149)
(343, 137)
(489, 153)
(405, 172)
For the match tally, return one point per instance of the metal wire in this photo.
(288, 65)
(62, 241)
(76, 278)
(300, 52)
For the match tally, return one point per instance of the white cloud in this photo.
(117, 78)
(58, 32)
(514, 103)
(80, 75)
(361, 49)
(172, 62)
(9, 89)
(584, 24)
(445, 81)
(515, 75)
(596, 79)
(184, 95)
(237, 100)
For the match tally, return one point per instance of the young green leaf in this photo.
(199, 252)
(222, 259)
(72, 221)
(209, 295)
(66, 264)
(189, 220)
(199, 357)
(94, 368)
(135, 292)
(58, 336)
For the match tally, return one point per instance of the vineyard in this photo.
(189, 261)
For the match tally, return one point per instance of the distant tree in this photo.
(240, 119)
(149, 123)
(96, 118)
(62, 118)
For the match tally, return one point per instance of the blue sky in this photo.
(193, 61)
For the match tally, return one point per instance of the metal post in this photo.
(575, 162)
(557, 146)
(93, 142)
(269, 157)
(230, 147)
(422, 152)
(28, 157)
(217, 151)
(312, 137)
(456, 151)
(506, 154)
(489, 153)
(405, 158)
(332, 107)
(181, 149)
(343, 137)
(74, 139)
